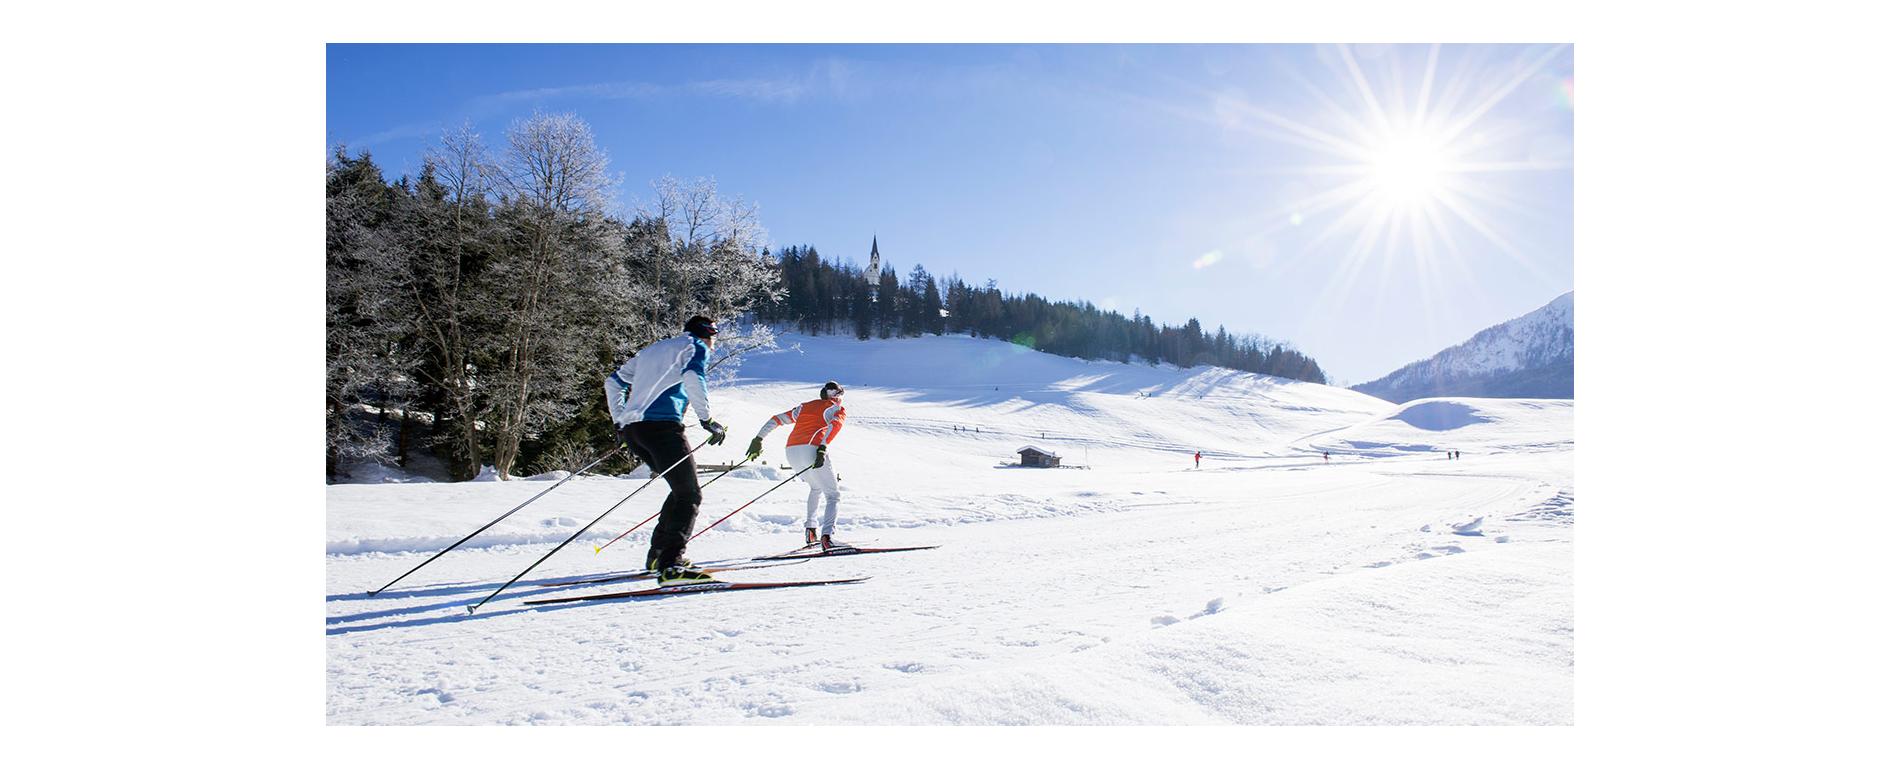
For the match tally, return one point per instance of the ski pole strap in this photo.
(511, 512)
(735, 511)
(577, 533)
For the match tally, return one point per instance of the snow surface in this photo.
(1466, 425)
(1387, 586)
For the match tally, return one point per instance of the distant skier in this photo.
(1448, 455)
(648, 396)
(815, 424)
(1328, 456)
(1457, 454)
(1197, 460)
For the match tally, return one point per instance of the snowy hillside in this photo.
(1531, 356)
(1465, 425)
(1382, 585)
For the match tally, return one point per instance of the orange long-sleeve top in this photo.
(815, 422)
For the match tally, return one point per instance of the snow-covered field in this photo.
(1387, 586)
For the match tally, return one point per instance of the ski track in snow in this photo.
(1269, 587)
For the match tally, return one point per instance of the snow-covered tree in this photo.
(562, 269)
(365, 356)
(711, 261)
(442, 290)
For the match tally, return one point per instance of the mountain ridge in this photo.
(1530, 356)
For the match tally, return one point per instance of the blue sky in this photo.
(1369, 204)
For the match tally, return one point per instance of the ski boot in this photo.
(827, 544)
(811, 536)
(684, 573)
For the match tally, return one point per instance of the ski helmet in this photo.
(830, 389)
(701, 327)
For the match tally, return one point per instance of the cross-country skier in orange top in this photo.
(815, 424)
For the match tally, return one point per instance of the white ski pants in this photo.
(823, 481)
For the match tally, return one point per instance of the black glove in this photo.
(718, 432)
(820, 462)
(757, 448)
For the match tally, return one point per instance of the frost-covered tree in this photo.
(365, 358)
(699, 252)
(479, 305)
(562, 269)
(439, 287)
(712, 260)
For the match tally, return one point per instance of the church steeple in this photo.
(871, 272)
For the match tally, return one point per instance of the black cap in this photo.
(701, 327)
(824, 391)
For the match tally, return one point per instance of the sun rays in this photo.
(1409, 168)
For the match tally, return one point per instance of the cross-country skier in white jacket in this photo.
(815, 424)
(648, 397)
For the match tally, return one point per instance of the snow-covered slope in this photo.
(931, 386)
(1269, 587)
(1467, 425)
(1531, 356)
(925, 408)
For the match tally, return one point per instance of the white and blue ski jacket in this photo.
(659, 382)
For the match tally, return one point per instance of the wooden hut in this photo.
(1036, 458)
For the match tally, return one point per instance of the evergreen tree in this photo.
(913, 311)
(921, 304)
(364, 360)
(477, 307)
(889, 303)
(932, 306)
(863, 309)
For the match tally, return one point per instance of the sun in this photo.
(1402, 170)
(1409, 168)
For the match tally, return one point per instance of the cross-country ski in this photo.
(814, 552)
(650, 574)
(697, 588)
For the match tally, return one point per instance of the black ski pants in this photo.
(659, 444)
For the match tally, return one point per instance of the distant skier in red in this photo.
(815, 424)
(1197, 460)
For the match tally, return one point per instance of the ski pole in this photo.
(497, 520)
(656, 514)
(577, 533)
(735, 512)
